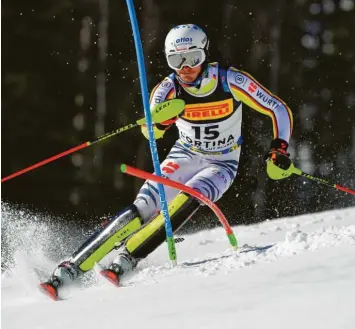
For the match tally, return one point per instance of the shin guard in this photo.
(103, 241)
(152, 235)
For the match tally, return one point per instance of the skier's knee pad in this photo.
(111, 234)
(149, 237)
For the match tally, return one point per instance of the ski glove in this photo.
(278, 163)
(158, 128)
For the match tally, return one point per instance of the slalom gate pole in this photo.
(72, 150)
(323, 181)
(144, 175)
(152, 142)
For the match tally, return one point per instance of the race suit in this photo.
(206, 155)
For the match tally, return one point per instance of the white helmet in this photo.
(189, 40)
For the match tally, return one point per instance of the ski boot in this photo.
(65, 272)
(123, 263)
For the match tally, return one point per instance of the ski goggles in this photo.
(191, 58)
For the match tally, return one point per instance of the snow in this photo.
(305, 280)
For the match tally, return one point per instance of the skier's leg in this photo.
(213, 180)
(152, 235)
(180, 165)
(104, 240)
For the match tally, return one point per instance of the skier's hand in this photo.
(158, 128)
(157, 132)
(278, 162)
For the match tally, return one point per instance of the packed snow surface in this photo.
(306, 279)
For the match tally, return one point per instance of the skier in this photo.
(205, 157)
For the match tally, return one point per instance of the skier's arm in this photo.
(247, 90)
(163, 91)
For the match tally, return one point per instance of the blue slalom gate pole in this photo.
(152, 141)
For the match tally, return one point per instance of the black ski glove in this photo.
(278, 160)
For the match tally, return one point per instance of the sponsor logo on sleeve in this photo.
(266, 99)
(162, 91)
(252, 87)
(239, 79)
(157, 99)
(159, 96)
(166, 84)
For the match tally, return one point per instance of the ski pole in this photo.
(72, 150)
(322, 181)
(161, 112)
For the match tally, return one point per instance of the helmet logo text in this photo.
(183, 39)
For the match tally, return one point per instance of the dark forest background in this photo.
(69, 74)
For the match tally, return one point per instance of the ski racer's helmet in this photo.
(186, 45)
